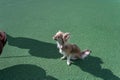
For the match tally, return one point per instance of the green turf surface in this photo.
(31, 54)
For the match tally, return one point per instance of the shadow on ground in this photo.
(92, 65)
(36, 48)
(24, 72)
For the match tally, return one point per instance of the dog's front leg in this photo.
(68, 59)
(64, 56)
(60, 51)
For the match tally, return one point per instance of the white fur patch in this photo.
(58, 44)
(85, 55)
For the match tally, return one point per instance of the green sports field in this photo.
(31, 53)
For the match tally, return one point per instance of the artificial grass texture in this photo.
(31, 54)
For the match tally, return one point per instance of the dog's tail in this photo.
(85, 53)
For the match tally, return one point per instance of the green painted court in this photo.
(32, 54)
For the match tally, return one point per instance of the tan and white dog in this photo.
(69, 51)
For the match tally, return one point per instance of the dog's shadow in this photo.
(92, 65)
(24, 72)
(36, 48)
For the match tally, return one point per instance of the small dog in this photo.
(61, 39)
(69, 51)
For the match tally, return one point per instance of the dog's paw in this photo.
(69, 63)
(62, 58)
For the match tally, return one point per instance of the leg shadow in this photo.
(24, 72)
(36, 48)
(92, 65)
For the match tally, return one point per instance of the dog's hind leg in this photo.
(68, 59)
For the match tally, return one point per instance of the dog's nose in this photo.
(54, 38)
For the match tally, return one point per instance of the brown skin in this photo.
(3, 40)
(1, 47)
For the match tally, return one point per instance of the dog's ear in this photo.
(66, 36)
(59, 30)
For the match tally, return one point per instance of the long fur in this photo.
(69, 51)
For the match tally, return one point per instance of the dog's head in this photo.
(61, 36)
